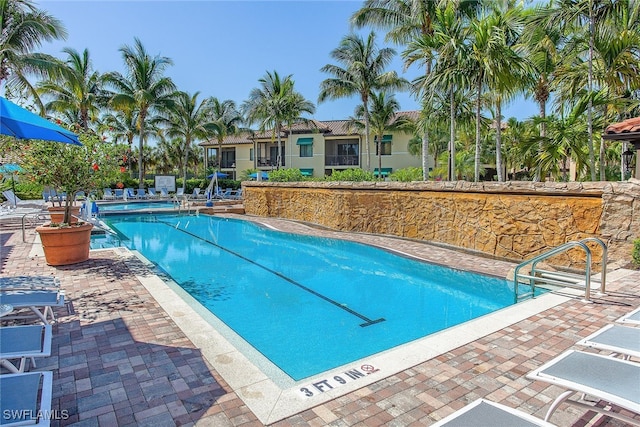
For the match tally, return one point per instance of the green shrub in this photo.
(286, 175)
(407, 175)
(351, 175)
(635, 254)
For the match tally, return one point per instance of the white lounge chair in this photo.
(25, 399)
(609, 379)
(164, 193)
(621, 340)
(107, 194)
(196, 193)
(152, 193)
(484, 413)
(632, 318)
(141, 193)
(119, 193)
(17, 202)
(34, 300)
(22, 343)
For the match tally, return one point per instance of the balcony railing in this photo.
(341, 160)
(268, 162)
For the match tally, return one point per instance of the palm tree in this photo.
(275, 104)
(383, 119)
(224, 120)
(23, 27)
(186, 122)
(144, 89)
(362, 72)
(580, 20)
(76, 89)
(122, 126)
(411, 21)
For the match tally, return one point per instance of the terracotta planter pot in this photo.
(57, 214)
(65, 245)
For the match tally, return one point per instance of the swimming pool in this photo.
(135, 205)
(308, 304)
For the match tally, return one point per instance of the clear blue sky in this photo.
(222, 48)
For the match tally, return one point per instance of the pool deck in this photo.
(120, 358)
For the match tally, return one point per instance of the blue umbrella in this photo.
(263, 175)
(219, 175)
(23, 124)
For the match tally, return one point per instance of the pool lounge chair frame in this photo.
(484, 413)
(34, 300)
(609, 379)
(620, 340)
(632, 318)
(23, 342)
(26, 395)
(29, 282)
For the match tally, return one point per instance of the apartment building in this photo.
(316, 147)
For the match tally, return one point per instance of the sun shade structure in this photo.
(23, 124)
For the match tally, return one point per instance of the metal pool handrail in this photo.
(560, 278)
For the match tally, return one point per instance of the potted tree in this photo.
(70, 169)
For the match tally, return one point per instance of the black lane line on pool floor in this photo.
(368, 322)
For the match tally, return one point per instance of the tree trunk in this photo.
(366, 135)
(543, 133)
(499, 141)
(476, 170)
(452, 137)
(425, 155)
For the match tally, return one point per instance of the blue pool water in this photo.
(309, 304)
(131, 206)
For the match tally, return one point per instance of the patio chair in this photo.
(129, 194)
(16, 202)
(164, 193)
(141, 194)
(22, 343)
(152, 193)
(25, 399)
(632, 318)
(29, 282)
(484, 413)
(107, 194)
(119, 193)
(621, 340)
(40, 302)
(611, 380)
(180, 192)
(196, 193)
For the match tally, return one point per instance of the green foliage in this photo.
(71, 168)
(407, 175)
(635, 254)
(286, 175)
(351, 175)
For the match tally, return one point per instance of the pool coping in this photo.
(269, 400)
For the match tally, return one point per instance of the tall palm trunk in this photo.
(186, 160)
(380, 157)
(279, 156)
(476, 170)
(425, 155)
(592, 161)
(499, 141)
(543, 133)
(366, 135)
(143, 115)
(452, 136)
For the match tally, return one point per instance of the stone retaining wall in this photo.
(512, 220)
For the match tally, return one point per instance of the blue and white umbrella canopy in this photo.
(23, 124)
(218, 175)
(263, 175)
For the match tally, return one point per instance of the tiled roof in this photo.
(619, 130)
(327, 127)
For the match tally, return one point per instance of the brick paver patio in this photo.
(119, 359)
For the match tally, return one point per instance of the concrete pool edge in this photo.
(271, 403)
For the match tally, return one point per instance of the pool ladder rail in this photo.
(536, 276)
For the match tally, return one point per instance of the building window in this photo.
(386, 144)
(250, 153)
(306, 151)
